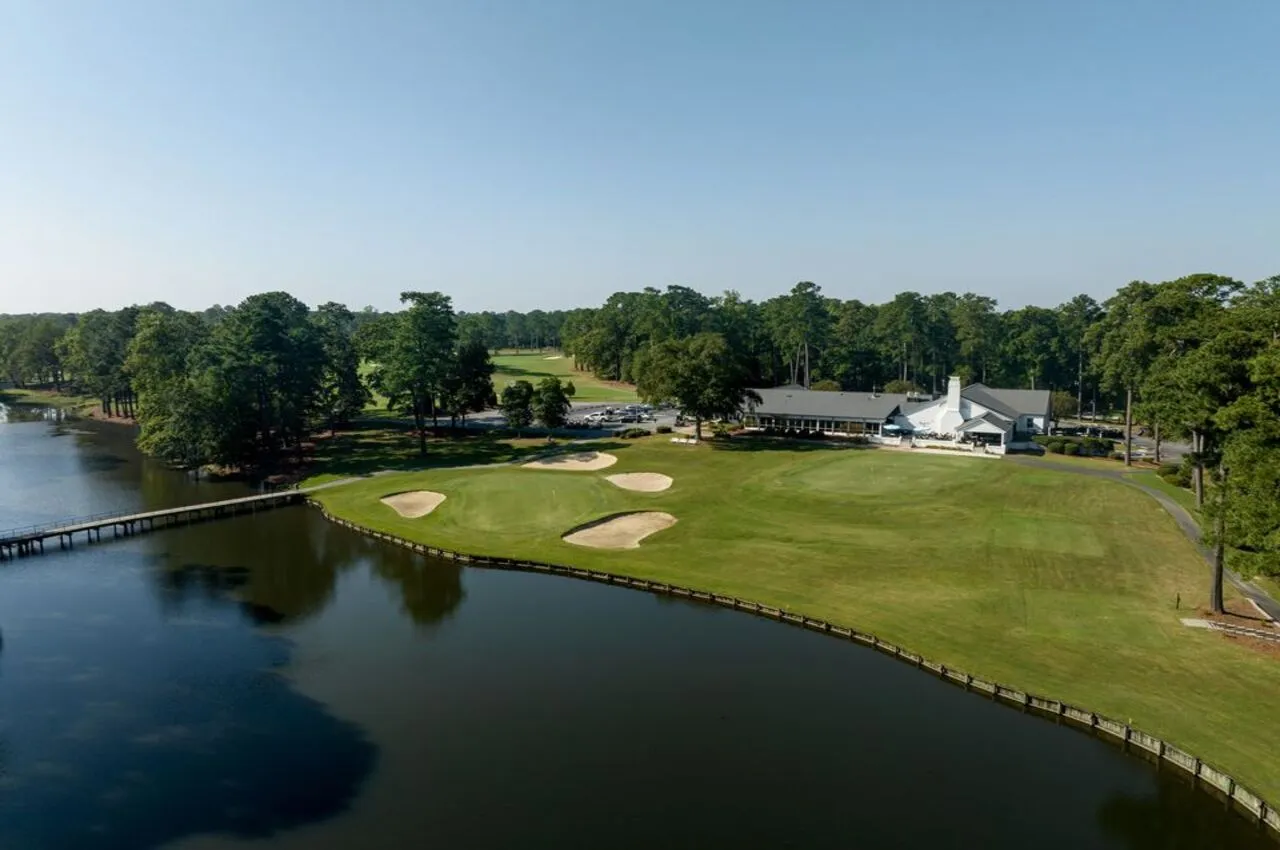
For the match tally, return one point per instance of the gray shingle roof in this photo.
(819, 404)
(993, 419)
(1011, 403)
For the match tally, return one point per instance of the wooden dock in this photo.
(21, 542)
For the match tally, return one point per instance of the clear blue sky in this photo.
(546, 153)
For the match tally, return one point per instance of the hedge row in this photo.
(805, 434)
(1086, 446)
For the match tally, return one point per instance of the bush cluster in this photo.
(793, 433)
(803, 434)
(663, 429)
(1177, 474)
(633, 433)
(1085, 446)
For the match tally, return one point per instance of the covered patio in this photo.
(987, 429)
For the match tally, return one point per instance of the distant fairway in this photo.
(1058, 583)
(535, 367)
(532, 368)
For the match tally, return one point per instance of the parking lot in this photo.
(594, 418)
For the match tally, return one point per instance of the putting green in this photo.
(1056, 583)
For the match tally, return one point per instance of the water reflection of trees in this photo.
(278, 565)
(430, 588)
(29, 413)
(283, 566)
(1177, 816)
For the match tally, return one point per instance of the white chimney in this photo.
(953, 394)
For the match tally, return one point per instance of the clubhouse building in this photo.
(976, 414)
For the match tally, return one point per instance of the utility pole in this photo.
(806, 363)
(1128, 426)
(1080, 385)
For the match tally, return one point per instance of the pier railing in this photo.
(30, 540)
(36, 530)
(1203, 775)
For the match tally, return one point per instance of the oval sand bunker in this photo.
(414, 504)
(579, 462)
(643, 482)
(621, 532)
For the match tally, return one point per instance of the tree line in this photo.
(912, 341)
(243, 386)
(1196, 358)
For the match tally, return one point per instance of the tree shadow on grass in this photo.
(507, 370)
(364, 452)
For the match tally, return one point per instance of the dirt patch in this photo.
(642, 482)
(414, 504)
(1241, 613)
(620, 532)
(578, 462)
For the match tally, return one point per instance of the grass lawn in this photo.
(1180, 495)
(75, 403)
(532, 367)
(1060, 584)
(1268, 583)
(535, 367)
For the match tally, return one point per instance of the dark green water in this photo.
(275, 681)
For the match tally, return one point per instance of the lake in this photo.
(275, 681)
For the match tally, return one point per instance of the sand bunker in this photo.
(644, 482)
(580, 462)
(621, 532)
(417, 503)
(556, 357)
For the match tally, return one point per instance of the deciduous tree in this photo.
(516, 404)
(700, 374)
(550, 403)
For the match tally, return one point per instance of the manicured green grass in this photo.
(1181, 495)
(1060, 584)
(535, 367)
(1270, 584)
(532, 367)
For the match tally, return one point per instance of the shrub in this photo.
(1055, 446)
(666, 429)
(1097, 446)
(859, 440)
(1043, 439)
(633, 433)
(1071, 448)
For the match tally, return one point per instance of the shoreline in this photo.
(74, 406)
(1204, 776)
